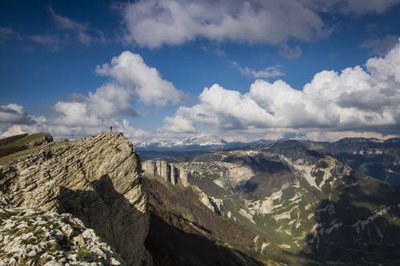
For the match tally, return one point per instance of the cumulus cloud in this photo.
(130, 70)
(95, 109)
(14, 113)
(13, 118)
(153, 23)
(268, 72)
(355, 99)
(179, 124)
(64, 125)
(130, 81)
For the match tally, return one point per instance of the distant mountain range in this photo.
(217, 141)
(202, 140)
(374, 157)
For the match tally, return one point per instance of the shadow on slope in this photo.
(184, 232)
(173, 245)
(110, 214)
(361, 227)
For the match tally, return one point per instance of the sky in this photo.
(163, 69)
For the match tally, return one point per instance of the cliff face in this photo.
(173, 173)
(96, 179)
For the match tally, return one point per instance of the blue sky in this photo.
(198, 67)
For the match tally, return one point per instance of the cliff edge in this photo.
(96, 179)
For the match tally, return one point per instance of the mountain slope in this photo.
(183, 231)
(299, 204)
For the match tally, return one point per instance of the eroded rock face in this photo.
(173, 173)
(97, 179)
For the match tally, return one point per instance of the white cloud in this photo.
(129, 70)
(73, 129)
(14, 113)
(131, 81)
(268, 72)
(355, 99)
(180, 124)
(13, 119)
(153, 23)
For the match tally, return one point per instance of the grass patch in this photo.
(83, 253)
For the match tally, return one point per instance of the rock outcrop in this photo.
(96, 179)
(170, 172)
(33, 237)
(22, 142)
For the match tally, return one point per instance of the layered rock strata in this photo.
(96, 179)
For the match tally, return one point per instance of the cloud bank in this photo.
(154, 23)
(355, 99)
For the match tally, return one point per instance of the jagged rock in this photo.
(33, 237)
(97, 179)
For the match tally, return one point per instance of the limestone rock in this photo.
(97, 179)
(33, 237)
(173, 173)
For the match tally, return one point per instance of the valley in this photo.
(300, 205)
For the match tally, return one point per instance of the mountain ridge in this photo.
(97, 179)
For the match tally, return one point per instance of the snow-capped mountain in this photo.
(203, 140)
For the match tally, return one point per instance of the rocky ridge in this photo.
(96, 179)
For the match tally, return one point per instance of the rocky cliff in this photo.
(96, 179)
(173, 173)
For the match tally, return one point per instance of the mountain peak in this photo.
(203, 140)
